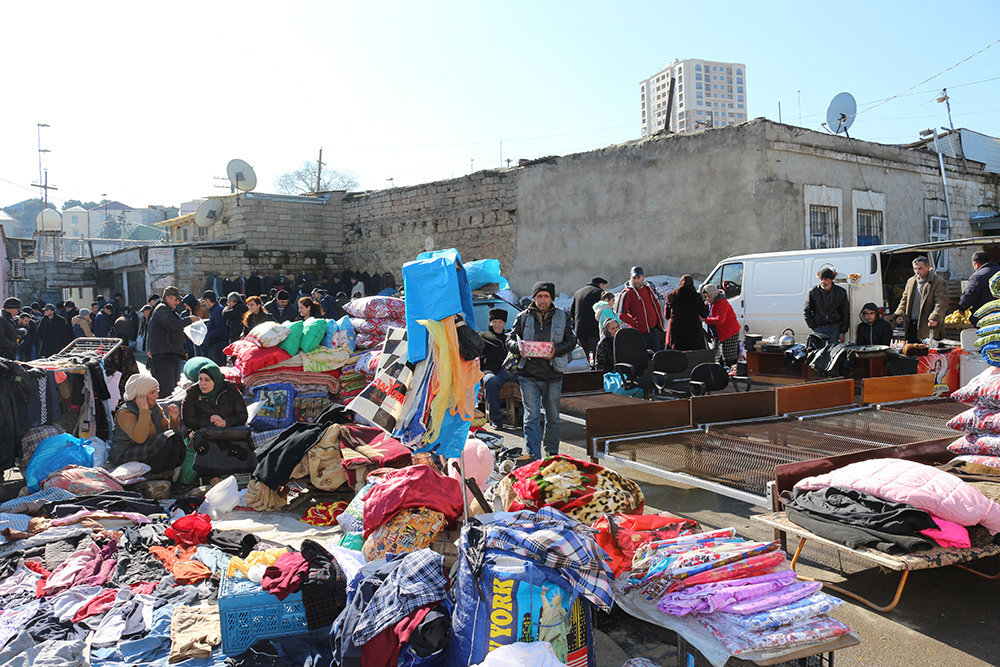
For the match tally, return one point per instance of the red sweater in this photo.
(639, 308)
(722, 317)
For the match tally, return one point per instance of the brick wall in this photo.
(476, 214)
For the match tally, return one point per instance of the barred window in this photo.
(823, 229)
(869, 227)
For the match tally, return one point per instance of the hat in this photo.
(597, 280)
(49, 306)
(145, 308)
(194, 365)
(34, 305)
(636, 271)
(543, 286)
(498, 314)
(282, 295)
(153, 296)
(171, 291)
(826, 273)
(190, 300)
(108, 306)
(85, 312)
(710, 290)
(26, 311)
(209, 294)
(12, 302)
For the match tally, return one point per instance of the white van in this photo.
(768, 290)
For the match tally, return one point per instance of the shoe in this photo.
(496, 425)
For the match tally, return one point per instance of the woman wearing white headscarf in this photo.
(140, 428)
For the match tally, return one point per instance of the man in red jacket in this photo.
(638, 307)
(722, 321)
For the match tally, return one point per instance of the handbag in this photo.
(223, 451)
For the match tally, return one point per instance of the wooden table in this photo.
(906, 563)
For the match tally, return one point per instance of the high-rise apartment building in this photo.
(706, 94)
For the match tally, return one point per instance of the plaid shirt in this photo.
(51, 494)
(419, 580)
(550, 538)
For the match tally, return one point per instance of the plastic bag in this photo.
(196, 332)
(221, 498)
(55, 453)
(485, 271)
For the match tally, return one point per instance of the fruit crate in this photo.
(248, 613)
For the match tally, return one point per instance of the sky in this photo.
(147, 102)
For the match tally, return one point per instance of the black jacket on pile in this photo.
(857, 519)
(8, 336)
(582, 310)
(166, 331)
(233, 317)
(53, 335)
(197, 409)
(878, 332)
(824, 308)
(491, 361)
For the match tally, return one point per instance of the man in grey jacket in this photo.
(541, 377)
(165, 336)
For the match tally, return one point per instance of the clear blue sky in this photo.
(148, 103)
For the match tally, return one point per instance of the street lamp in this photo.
(944, 179)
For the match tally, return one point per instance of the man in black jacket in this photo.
(53, 332)
(281, 308)
(826, 310)
(8, 328)
(541, 377)
(977, 292)
(232, 314)
(166, 340)
(582, 312)
(873, 330)
(491, 363)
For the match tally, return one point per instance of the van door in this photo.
(728, 276)
(775, 293)
(858, 274)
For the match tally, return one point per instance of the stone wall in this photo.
(476, 214)
(47, 279)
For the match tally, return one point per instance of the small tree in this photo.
(303, 180)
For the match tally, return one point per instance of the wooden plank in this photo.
(729, 407)
(577, 382)
(815, 396)
(896, 388)
(578, 405)
(636, 418)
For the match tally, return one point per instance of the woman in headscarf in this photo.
(684, 313)
(211, 400)
(255, 314)
(141, 425)
(604, 357)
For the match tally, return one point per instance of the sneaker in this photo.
(496, 425)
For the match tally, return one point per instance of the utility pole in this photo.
(670, 107)
(799, 93)
(943, 97)
(319, 169)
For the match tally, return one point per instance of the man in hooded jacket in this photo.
(638, 307)
(873, 329)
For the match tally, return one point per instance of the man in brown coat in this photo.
(924, 303)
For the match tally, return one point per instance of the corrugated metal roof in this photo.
(982, 148)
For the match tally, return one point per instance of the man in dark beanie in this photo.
(827, 311)
(53, 332)
(8, 328)
(540, 367)
(584, 320)
(281, 308)
(491, 363)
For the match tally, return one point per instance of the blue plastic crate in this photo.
(248, 613)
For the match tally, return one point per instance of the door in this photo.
(774, 295)
(729, 278)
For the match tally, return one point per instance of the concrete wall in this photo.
(49, 278)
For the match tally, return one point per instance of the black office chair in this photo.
(669, 372)
(706, 378)
(632, 360)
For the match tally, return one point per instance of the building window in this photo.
(869, 227)
(697, 68)
(938, 232)
(739, 72)
(184, 234)
(698, 86)
(823, 229)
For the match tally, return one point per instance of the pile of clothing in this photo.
(894, 506)
(372, 316)
(742, 592)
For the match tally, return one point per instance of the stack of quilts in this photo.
(372, 316)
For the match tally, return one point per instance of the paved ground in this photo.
(946, 617)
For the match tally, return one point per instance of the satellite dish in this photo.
(241, 175)
(841, 112)
(209, 212)
(48, 220)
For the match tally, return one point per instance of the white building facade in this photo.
(706, 94)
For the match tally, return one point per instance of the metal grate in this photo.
(879, 427)
(824, 231)
(934, 408)
(101, 346)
